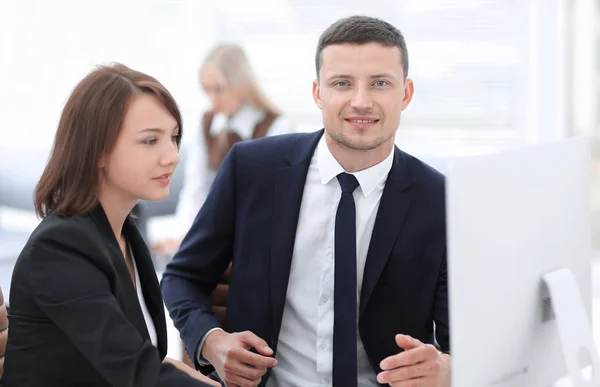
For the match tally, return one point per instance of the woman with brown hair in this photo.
(86, 308)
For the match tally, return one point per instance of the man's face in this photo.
(361, 92)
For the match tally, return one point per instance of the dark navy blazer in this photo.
(250, 217)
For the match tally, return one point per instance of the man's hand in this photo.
(235, 364)
(191, 372)
(420, 365)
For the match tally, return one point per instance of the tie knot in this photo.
(348, 182)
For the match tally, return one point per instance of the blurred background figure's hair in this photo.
(231, 60)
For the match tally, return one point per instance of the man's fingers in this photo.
(407, 342)
(259, 361)
(256, 342)
(236, 380)
(420, 382)
(238, 367)
(409, 357)
(427, 369)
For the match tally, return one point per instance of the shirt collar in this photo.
(368, 179)
(243, 122)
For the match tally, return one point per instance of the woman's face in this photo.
(145, 154)
(223, 98)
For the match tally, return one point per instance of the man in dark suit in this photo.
(337, 239)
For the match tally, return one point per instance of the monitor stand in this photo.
(575, 333)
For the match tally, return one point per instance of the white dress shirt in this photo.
(147, 318)
(305, 345)
(198, 174)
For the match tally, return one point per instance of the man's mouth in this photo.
(361, 121)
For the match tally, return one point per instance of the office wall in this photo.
(489, 74)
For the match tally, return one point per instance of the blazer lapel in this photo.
(149, 284)
(130, 301)
(289, 187)
(393, 208)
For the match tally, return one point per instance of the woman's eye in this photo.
(150, 141)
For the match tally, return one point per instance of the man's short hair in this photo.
(362, 30)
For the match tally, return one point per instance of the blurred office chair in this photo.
(218, 297)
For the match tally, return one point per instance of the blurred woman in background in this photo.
(239, 110)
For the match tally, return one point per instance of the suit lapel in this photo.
(130, 301)
(393, 208)
(289, 187)
(149, 284)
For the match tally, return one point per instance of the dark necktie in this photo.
(344, 304)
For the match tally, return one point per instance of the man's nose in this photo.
(361, 99)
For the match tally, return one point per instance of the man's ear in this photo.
(409, 90)
(316, 92)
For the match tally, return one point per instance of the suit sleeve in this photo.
(442, 326)
(76, 295)
(203, 257)
(440, 251)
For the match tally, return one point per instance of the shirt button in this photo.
(322, 346)
(324, 300)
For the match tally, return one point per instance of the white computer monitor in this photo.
(513, 219)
